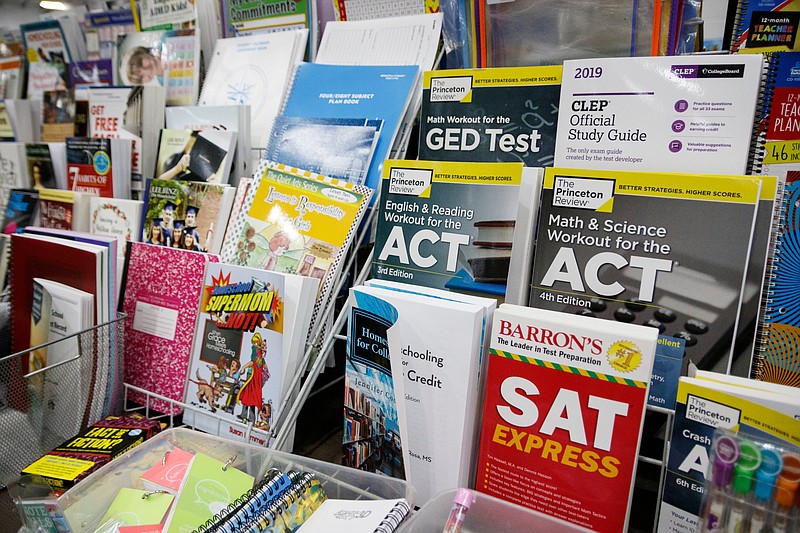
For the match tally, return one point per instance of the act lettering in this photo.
(395, 246)
(565, 268)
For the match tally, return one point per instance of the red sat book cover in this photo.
(563, 413)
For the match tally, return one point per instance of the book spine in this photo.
(739, 25)
(394, 517)
(757, 152)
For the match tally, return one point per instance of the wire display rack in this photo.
(40, 409)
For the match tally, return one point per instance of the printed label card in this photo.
(210, 486)
(135, 507)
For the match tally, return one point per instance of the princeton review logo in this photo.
(593, 194)
(410, 182)
(455, 89)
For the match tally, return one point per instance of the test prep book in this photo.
(646, 247)
(435, 346)
(703, 406)
(691, 113)
(563, 413)
(446, 224)
(497, 114)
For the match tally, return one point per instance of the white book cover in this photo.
(238, 353)
(356, 516)
(435, 348)
(253, 70)
(235, 118)
(107, 118)
(116, 217)
(13, 170)
(691, 113)
(65, 311)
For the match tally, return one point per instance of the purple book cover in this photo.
(91, 73)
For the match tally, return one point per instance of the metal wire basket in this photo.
(41, 409)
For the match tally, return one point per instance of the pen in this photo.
(786, 489)
(743, 474)
(771, 466)
(727, 453)
(461, 505)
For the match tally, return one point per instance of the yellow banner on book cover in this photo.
(494, 77)
(781, 152)
(414, 178)
(322, 208)
(717, 188)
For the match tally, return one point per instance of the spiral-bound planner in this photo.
(357, 516)
(777, 152)
(764, 26)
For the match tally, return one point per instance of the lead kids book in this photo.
(564, 407)
(237, 356)
(646, 247)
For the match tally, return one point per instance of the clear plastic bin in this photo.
(86, 503)
(487, 514)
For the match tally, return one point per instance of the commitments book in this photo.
(448, 225)
(691, 113)
(644, 247)
(498, 114)
(563, 413)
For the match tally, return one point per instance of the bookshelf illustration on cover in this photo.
(371, 438)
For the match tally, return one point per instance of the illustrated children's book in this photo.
(690, 113)
(633, 247)
(448, 225)
(238, 353)
(299, 223)
(498, 114)
(47, 57)
(563, 413)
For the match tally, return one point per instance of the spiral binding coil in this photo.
(766, 307)
(394, 517)
(267, 517)
(739, 25)
(271, 485)
(758, 151)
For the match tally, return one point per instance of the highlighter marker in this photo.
(461, 505)
(786, 489)
(743, 474)
(767, 475)
(727, 453)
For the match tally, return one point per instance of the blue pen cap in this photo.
(767, 475)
